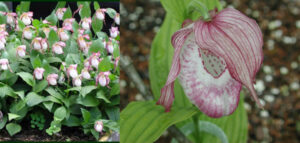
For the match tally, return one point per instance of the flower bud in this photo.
(85, 73)
(52, 79)
(103, 78)
(117, 18)
(72, 71)
(26, 17)
(86, 23)
(98, 126)
(60, 13)
(57, 47)
(100, 13)
(4, 64)
(21, 50)
(114, 32)
(77, 81)
(38, 73)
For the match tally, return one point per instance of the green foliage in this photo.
(3, 7)
(67, 14)
(13, 128)
(37, 120)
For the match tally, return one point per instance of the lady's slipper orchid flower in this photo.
(63, 35)
(117, 18)
(114, 32)
(213, 59)
(110, 47)
(95, 60)
(38, 73)
(26, 17)
(77, 81)
(72, 71)
(5, 64)
(46, 31)
(44, 44)
(68, 24)
(27, 32)
(21, 50)
(57, 47)
(98, 126)
(86, 23)
(52, 79)
(10, 17)
(36, 42)
(60, 13)
(85, 73)
(100, 13)
(3, 35)
(2, 27)
(103, 78)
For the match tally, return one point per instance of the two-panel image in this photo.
(156, 71)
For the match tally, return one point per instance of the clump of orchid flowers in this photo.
(82, 55)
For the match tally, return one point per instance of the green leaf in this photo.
(54, 60)
(97, 46)
(48, 105)
(40, 86)
(53, 37)
(6, 90)
(87, 89)
(3, 122)
(24, 6)
(52, 18)
(111, 12)
(113, 113)
(67, 14)
(60, 113)
(3, 7)
(96, 5)
(100, 95)
(54, 93)
(97, 24)
(60, 4)
(105, 65)
(72, 121)
(115, 126)
(36, 24)
(95, 134)
(27, 77)
(13, 128)
(33, 99)
(176, 9)
(115, 90)
(145, 121)
(85, 10)
(86, 115)
(88, 101)
(12, 116)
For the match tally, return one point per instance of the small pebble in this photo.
(268, 78)
(267, 69)
(269, 98)
(264, 113)
(274, 24)
(294, 86)
(275, 91)
(259, 86)
(284, 70)
(294, 65)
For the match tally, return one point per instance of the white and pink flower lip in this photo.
(213, 59)
(36, 43)
(27, 32)
(85, 73)
(63, 35)
(100, 14)
(77, 81)
(98, 126)
(60, 13)
(21, 51)
(52, 79)
(103, 78)
(86, 23)
(38, 73)
(95, 59)
(46, 31)
(57, 47)
(10, 17)
(72, 71)
(68, 24)
(5, 64)
(114, 32)
(26, 17)
(110, 47)
(117, 18)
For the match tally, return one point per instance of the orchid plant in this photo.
(212, 52)
(64, 67)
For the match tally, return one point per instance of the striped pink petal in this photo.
(167, 92)
(238, 40)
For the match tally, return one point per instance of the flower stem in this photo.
(198, 6)
(196, 123)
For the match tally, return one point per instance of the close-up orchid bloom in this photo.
(21, 50)
(72, 71)
(10, 18)
(103, 78)
(95, 60)
(60, 13)
(38, 73)
(114, 32)
(27, 32)
(213, 59)
(117, 18)
(4, 64)
(68, 24)
(86, 23)
(77, 81)
(110, 47)
(85, 73)
(52, 79)
(98, 126)
(63, 35)
(57, 47)
(26, 17)
(36, 43)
